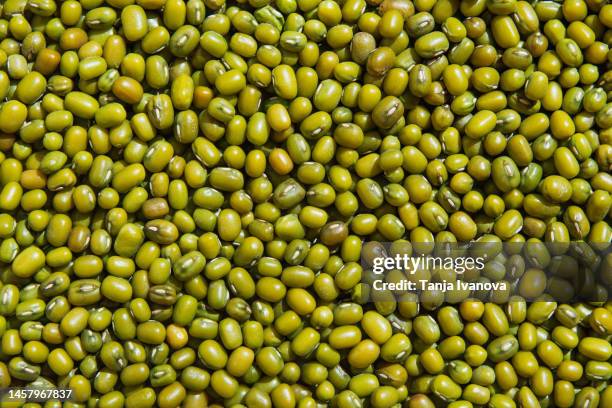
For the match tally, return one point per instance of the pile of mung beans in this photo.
(186, 187)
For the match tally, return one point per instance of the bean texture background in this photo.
(186, 187)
